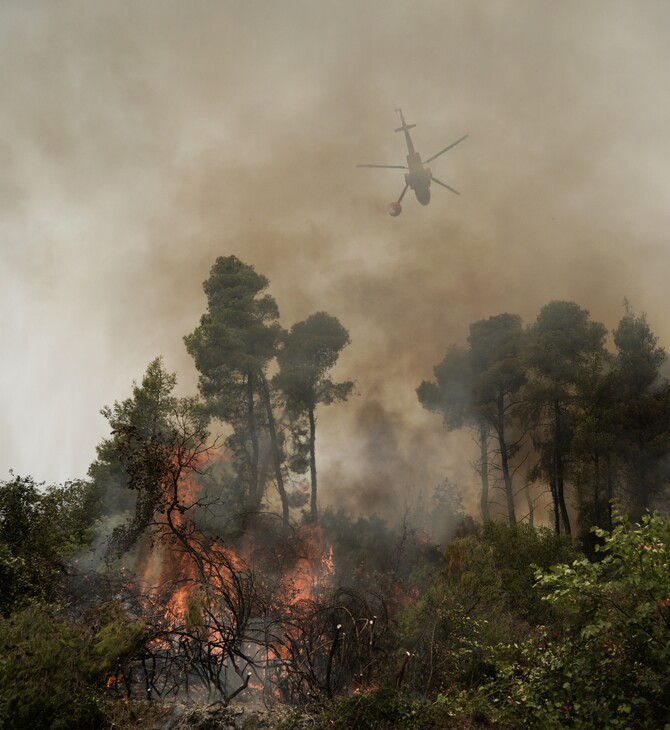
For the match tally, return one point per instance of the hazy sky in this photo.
(141, 140)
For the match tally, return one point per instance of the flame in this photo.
(328, 562)
(311, 573)
(182, 593)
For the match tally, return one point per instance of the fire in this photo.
(214, 617)
(328, 562)
(313, 570)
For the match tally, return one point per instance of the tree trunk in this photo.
(560, 468)
(609, 487)
(596, 488)
(504, 461)
(274, 445)
(312, 465)
(484, 452)
(554, 500)
(529, 502)
(254, 496)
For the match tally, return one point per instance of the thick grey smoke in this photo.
(142, 140)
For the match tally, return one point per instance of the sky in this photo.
(141, 140)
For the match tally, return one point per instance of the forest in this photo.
(195, 579)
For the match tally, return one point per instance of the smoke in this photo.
(141, 141)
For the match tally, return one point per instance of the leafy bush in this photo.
(46, 678)
(389, 709)
(465, 623)
(516, 552)
(118, 638)
(53, 670)
(609, 666)
(40, 529)
(493, 571)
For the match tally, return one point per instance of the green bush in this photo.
(53, 671)
(385, 708)
(46, 677)
(608, 668)
(118, 637)
(463, 628)
(41, 529)
(516, 552)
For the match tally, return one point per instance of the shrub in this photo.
(609, 666)
(46, 678)
(467, 619)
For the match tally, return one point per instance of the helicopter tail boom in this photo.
(405, 128)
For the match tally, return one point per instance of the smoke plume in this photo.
(141, 141)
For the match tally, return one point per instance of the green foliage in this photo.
(462, 628)
(232, 347)
(561, 344)
(53, 669)
(40, 530)
(156, 440)
(237, 336)
(643, 418)
(377, 710)
(495, 568)
(639, 356)
(385, 708)
(132, 462)
(75, 507)
(496, 345)
(141, 418)
(18, 584)
(118, 638)
(479, 387)
(47, 679)
(598, 421)
(309, 351)
(451, 649)
(516, 552)
(608, 667)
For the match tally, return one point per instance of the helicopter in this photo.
(419, 176)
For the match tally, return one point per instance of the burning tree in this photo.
(211, 621)
(196, 596)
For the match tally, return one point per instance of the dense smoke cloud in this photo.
(141, 141)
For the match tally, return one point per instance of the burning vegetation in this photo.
(196, 564)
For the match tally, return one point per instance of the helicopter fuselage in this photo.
(418, 178)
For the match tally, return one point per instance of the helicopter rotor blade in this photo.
(402, 195)
(393, 167)
(444, 185)
(441, 152)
